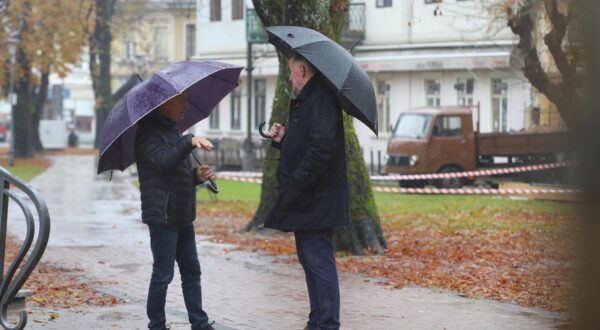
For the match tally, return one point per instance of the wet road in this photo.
(96, 227)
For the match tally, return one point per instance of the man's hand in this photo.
(204, 173)
(277, 132)
(200, 142)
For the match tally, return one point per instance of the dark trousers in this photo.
(317, 257)
(170, 245)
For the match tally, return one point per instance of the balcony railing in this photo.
(354, 28)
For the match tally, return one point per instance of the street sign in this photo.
(255, 32)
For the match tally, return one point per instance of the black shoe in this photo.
(209, 326)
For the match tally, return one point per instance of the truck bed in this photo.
(514, 144)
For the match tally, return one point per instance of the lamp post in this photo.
(249, 160)
(12, 50)
(255, 34)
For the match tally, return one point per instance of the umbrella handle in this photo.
(211, 185)
(260, 130)
(262, 133)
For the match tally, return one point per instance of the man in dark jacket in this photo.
(168, 193)
(313, 187)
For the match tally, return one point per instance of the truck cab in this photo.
(432, 140)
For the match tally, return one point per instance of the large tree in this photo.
(100, 38)
(49, 38)
(327, 16)
(551, 54)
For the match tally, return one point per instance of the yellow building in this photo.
(150, 35)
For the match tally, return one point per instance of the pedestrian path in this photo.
(96, 228)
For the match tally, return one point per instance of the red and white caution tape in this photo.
(238, 178)
(436, 191)
(495, 171)
(240, 174)
(406, 177)
(473, 191)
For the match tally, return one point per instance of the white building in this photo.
(417, 52)
(414, 57)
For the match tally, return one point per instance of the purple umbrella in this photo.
(206, 84)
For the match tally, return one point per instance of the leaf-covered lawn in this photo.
(26, 169)
(480, 246)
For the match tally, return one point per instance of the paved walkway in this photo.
(96, 227)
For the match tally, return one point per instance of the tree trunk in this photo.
(364, 232)
(278, 115)
(21, 112)
(100, 42)
(38, 109)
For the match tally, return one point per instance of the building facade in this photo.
(151, 35)
(417, 52)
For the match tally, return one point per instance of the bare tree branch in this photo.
(554, 41)
(562, 91)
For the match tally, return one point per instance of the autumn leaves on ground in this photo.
(482, 247)
(505, 249)
(52, 286)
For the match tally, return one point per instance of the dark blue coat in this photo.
(167, 179)
(312, 176)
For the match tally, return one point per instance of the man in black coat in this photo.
(313, 186)
(168, 193)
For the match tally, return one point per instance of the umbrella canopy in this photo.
(206, 84)
(355, 90)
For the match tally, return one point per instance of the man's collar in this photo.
(306, 89)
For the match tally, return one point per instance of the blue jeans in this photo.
(170, 245)
(317, 257)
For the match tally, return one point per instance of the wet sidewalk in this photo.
(96, 227)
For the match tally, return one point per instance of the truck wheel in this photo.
(450, 183)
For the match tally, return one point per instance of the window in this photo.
(412, 125)
(447, 126)
(384, 3)
(215, 10)
(433, 1)
(535, 116)
(83, 123)
(499, 105)
(130, 49)
(190, 40)
(213, 118)
(432, 93)
(237, 9)
(383, 105)
(464, 91)
(260, 98)
(236, 110)
(160, 43)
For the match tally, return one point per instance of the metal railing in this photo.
(227, 155)
(355, 25)
(12, 281)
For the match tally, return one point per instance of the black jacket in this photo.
(313, 182)
(167, 179)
